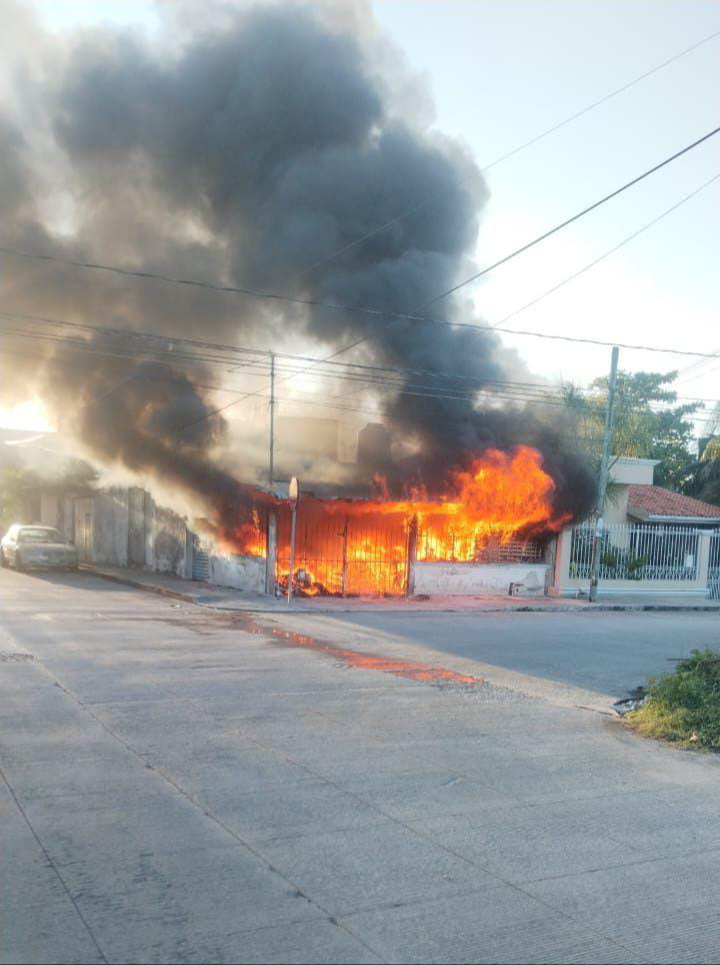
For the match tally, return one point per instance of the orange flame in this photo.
(355, 547)
(245, 536)
(501, 498)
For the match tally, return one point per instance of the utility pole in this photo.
(602, 487)
(271, 466)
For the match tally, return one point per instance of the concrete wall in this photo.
(121, 527)
(616, 506)
(240, 572)
(58, 510)
(625, 472)
(479, 579)
(112, 522)
(633, 472)
(167, 542)
(110, 527)
(49, 509)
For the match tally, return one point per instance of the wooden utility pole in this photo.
(602, 487)
(271, 466)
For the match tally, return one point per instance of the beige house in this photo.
(652, 541)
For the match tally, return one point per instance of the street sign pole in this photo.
(294, 495)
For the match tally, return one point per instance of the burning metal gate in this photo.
(343, 554)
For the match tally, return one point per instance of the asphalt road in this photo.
(180, 785)
(610, 653)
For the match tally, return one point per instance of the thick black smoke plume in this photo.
(245, 153)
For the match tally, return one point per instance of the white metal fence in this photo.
(714, 566)
(640, 552)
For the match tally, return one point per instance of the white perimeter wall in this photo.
(240, 572)
(110, 527)
(479, 579)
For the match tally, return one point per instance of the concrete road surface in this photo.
(180, 785)
(605, 652)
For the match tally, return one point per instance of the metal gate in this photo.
(84, 528)
(200, 561)
(341, 553)
(713, 581)
(136, 527)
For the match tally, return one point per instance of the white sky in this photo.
(501, 71)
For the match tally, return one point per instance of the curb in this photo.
(526, 608)
(138, 584)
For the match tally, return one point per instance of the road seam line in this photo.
(168, 780)
(52, 865)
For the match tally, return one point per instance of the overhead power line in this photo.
(519, 251)
(409, 316)
(504, 157)
(386, 378)
(575, 217)
(597, 261)
(171, 353)
(606, 254)
(374, 312)
(542, 393)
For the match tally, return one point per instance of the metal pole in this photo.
(292, 553)
(344, 557)
(411, 556)
(602, 488)
(271, 467)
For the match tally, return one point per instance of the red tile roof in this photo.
(656, 501)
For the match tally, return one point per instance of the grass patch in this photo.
(684, 706)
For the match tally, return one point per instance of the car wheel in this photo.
(3, 561)
(19, 566)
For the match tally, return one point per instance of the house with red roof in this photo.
(634, 498)
(652, 540)
(654, 504)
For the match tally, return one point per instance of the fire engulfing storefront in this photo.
(488, 533)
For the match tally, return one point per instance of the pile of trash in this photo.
(634, 702)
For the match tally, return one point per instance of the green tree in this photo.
(77, 478)
(704, 481)
(14, 480)
(649, 422)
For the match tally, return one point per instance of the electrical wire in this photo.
(220, 347)
(378, 371)
(597, 261)
(516, 150)
(492, 393)
(571, 220)
(522, 391)
(606, 254)
(384, 313)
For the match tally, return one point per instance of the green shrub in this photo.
(609, 559)
(635, 564)
(684, 706)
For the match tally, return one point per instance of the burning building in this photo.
(498, 512)
(263, 155)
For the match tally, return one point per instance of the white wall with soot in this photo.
(239, 572)
(479, 579)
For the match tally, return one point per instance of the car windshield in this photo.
(39, 535)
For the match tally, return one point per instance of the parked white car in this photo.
(37, 547)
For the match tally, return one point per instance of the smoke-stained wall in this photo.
(246, 152)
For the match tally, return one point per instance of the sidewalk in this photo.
(225, 598)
